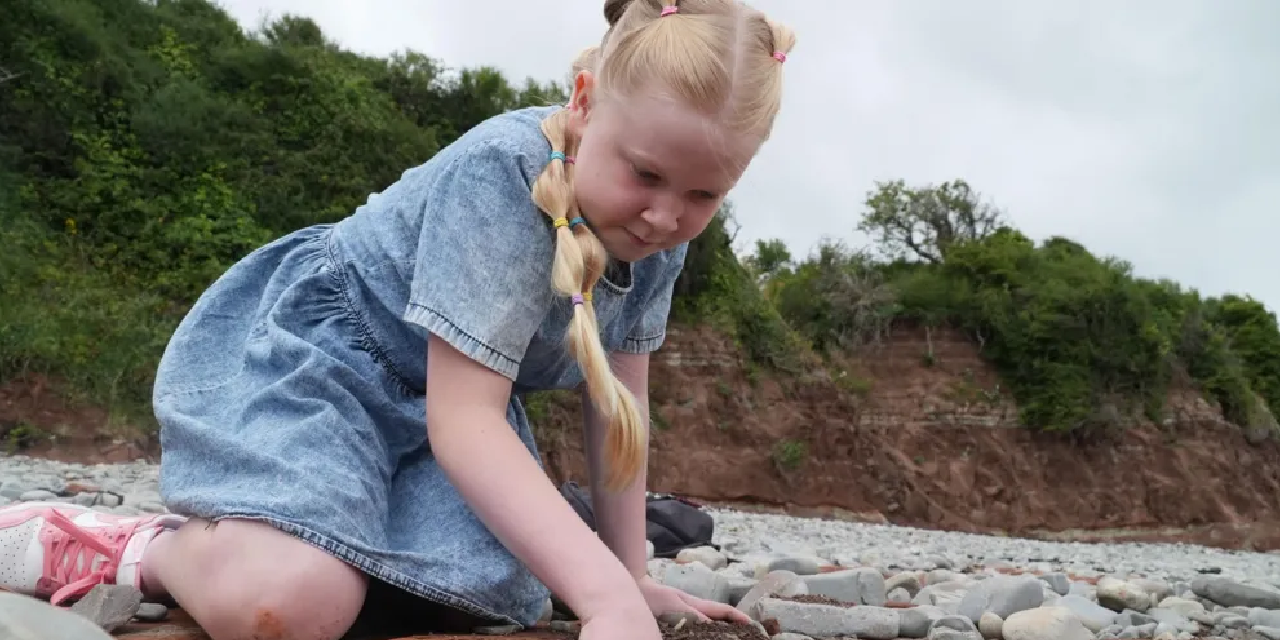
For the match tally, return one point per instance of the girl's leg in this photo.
(238, 579)
(244, 579)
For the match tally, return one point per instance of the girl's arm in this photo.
(481, 454)
(620, 517)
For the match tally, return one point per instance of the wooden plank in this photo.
(180, 626)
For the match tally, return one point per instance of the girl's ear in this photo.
(583, 94)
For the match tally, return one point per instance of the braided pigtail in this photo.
(578, 264)
(718, 57)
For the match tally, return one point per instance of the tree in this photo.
(770, 257)
(925, 222)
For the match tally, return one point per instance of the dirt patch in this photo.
(810, 598)
(37, 419)
(714, 630)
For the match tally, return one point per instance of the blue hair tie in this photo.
(576, 221)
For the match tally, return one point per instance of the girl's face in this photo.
(649, 173)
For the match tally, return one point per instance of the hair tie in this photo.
(560, 222)
(576, 221)
(668, 10)
(577, 298)
(780, 56)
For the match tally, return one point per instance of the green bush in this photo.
(153, 144)
(718, 289)
(148, 145)
(1082, 343)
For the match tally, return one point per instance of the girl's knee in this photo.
(264, 583)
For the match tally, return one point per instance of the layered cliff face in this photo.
(919, 431)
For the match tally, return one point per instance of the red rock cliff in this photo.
(935, 446)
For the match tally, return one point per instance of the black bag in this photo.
(671, 523)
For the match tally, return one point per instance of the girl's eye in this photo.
(646, 176)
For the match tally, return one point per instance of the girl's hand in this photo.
(626, 621)
(669, 600)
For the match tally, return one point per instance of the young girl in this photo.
(342, 405)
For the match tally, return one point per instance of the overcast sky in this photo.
(1146, 129)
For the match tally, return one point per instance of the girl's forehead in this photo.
(673, 139)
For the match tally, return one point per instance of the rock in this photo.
(1133, 619)
(37, 495)
(708, 556)
(1174, 620)
(26, 618)
(820, 620)
(898, 596)
(1140, 631)
(739, 586)
(1045, 623)
(777, 583)
(109, 606)
(1230, 593)
(946, 594)
(953, 622)
(939, 576)
(1118, 595)
(697, 580)
(1270, 633)
(907, 581)
(991, 626)
(1058, 582)
(1181, 606)
(155, 612)
(1263, 618)
(855, 586)
(915, 622)
(1001, 595)
(1157, 589)
(943, 633)
(953, 627)
(799, 565)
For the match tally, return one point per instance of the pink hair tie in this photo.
(668, 10)
(780, 56)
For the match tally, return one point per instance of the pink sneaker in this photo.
(60, 551)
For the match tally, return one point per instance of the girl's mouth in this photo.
(637, 239)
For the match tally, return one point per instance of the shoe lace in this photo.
(69, 558)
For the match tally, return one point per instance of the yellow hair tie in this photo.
(561, 222)
(587, 296)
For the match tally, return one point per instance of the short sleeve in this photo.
(650, 330)
(481, 277)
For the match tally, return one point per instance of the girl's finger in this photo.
(717, 610)
(685, 615)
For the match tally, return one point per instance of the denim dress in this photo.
(292, 392)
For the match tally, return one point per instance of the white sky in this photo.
(1145, 129)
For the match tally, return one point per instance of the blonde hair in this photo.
(719, 57)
